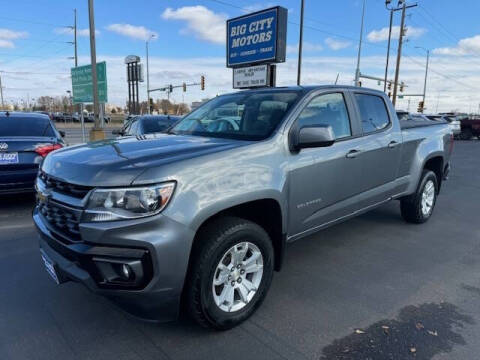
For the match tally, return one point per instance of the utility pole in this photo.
(300, 44)
(75, 36)
(82, 120)
(96, 132)
(426, 75)
(400, 43)
(399, 54)
(357, 72)
(388, 50)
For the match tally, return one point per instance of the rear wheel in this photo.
(418, 208)
(231, 274)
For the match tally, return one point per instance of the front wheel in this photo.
(230, 274)
(418, 208)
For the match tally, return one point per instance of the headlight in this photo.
(128, 203)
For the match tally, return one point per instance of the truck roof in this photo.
(308, 88)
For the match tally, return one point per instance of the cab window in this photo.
(373, 112)
(328, 109)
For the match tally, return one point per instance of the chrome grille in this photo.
(60, 186)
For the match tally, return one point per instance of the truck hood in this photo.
(119, 161)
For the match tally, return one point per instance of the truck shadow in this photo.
(419, 331)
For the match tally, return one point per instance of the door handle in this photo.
(352, 154)
(393, 144)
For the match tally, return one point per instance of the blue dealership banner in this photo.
(258, 37)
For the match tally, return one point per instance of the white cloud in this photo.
(202, 22)
(467, 46)
(307, 47)
(80, 32)
(6, 44)
(132, 31)
(382, 34)
(336, 44)
(7, 35)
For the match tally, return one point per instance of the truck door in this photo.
(322, 180)
(381, 148)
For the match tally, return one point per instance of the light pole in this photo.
(300, 44)
(426, 71)
(387, 2)
(357, 71)
(152, 36)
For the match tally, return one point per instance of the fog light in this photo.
(126, 271)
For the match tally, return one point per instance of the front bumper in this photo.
(163, 243)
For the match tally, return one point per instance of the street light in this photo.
(152, 36)
(426, 71)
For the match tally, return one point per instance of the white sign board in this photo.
(252, 76)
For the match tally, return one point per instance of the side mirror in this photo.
(62, 133)
(315, 136)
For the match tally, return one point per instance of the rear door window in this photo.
(373, 112)
(24, 126)
(328, 109)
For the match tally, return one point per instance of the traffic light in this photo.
(421, 106)
(359, 84)
(202, 82)
(401, 87)
(170, 88)
(184, 87)
(389, 86)
(150, 103)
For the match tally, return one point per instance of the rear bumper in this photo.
(17, 181)
(159, 298)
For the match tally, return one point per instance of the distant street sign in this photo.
(82, 83)
(252, 76)
(259, 37)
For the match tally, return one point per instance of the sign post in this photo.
(255, 42)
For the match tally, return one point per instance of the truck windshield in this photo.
(243, 116)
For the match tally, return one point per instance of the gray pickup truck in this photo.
(200, 216)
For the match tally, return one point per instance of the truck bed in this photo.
(409, 124)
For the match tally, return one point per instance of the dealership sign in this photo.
(252, 76)
(255, 38)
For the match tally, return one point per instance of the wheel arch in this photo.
(435, 163)
(266, 212)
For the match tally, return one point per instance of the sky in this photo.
(190, 42)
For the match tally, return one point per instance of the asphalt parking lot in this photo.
(371, 288)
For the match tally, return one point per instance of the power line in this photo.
(449, 33)
(32, 73)
(29, 21)
(35, 49)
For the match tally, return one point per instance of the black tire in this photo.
(411, 206)
(466, 134)
(213, 242)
